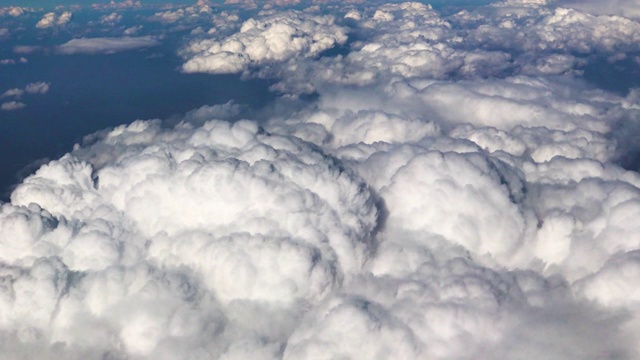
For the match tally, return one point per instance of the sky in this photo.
(320, 180)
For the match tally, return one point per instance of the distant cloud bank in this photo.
(106, 45)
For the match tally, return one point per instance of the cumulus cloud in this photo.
(21, 60)
(106, 45)
(32, 88)
(126, 4)
(627, 8)
(37, 88)
(52, 19)
(295, 224)
(271, 39)
(132, 30)
(12, 105)
(438, 198)
(111, 19)
(15, 11)
(503, 39)
(15, 92)
(507, 191)
(195, 12)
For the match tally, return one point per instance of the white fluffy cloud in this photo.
(12, 105)
(111, 19)
(288, 226)
(126, 4)
(627, 8)
(434, 201)
(15, 11)
(503, 39)
(272, 39)
(37, 88)
(17, 93)
(52, 19)
(194, 12)
(106, 45)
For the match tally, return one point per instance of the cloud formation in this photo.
(312, 228)
(626, 8)
(111, 19)
(12, 105)
(15, 11)
(106, 45)
(126, 4)
(194, 12)
(503, 39)
(37, 88)
(440, 197)
(260, 42)
(52, 19)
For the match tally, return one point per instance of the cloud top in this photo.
(271, 39)
(453, 188)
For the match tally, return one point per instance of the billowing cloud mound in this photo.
(441, 196)
(264, 223)
(277, 38)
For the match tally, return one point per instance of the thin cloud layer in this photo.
(106, 45)
(441, 196)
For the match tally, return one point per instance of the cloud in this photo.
(21, 60)
(37, 88)
(15, 11)
(132, 30)
(112, 18)
(441, 196)
(106, 45)
(26, 49)
(272, 39)
(12, 92)
(12, 105)
(247, 4)
(126, 4)
(51, 19)
(294, 225)
(32, 88)
(189, 13)
(627, 8)
(503, 39)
